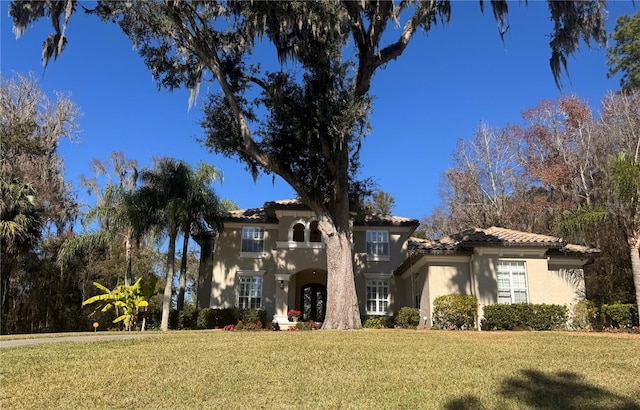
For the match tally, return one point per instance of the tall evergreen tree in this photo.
(624, 54)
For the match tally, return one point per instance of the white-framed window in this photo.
(250, 289)
(512, 282)
(252, 239)
(377, 296)
(378, 243)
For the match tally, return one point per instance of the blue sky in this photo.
(446, 83)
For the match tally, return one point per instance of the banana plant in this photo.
(127, 300)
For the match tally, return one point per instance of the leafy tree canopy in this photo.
(624, 55)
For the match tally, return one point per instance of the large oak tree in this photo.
(312, 112)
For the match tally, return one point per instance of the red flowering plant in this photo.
(293, 315)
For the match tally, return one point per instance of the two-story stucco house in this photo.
(274, 258)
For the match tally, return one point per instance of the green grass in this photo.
(386, 369)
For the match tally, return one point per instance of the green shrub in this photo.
(498, 317)
(206, 318)
(302, 326)
(226, 316)
(251, 315)
(585, 315)
(407, 317)
(188, 317)
(548, 317)
(619, 315)
(455, 312)
(375, 322)
(524, 316)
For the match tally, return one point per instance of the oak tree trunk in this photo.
(342, 301)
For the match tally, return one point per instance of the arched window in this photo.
(315, 236)
(298, 232)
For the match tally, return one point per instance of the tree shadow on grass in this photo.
(562, 390)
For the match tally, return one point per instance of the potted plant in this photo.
(294, 315)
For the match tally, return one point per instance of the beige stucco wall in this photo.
(447, 277)
(300, 261)
(543, 285)
(476, 275)
(227, 262)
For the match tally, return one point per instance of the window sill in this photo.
(299, 245)
(378, 258)
(253, 255)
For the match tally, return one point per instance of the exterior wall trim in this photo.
(377, 275)
(245, 272)
(512, 252)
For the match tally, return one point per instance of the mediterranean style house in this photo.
(273, 258)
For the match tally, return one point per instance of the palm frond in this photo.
(581, 220)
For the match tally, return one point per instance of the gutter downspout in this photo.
(474, 291)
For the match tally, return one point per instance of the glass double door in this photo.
(314, 301)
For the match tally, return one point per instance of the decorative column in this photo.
(282, 298)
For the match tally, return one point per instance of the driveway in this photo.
(87, 338)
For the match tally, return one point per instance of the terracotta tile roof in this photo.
(495, 236)
(503, 236)
(571, 248)
(418, 244)
(248, 215)
(286, 204)
(384, 220)
(267, 214)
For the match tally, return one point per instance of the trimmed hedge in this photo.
(407, 317)
(209, 318)
(619, 315)
(375, 322)
(525, 316)
(585, 315)
(455, 312)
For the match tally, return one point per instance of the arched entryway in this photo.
(313, 302)
(308, 293)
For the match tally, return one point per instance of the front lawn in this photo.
(328, 369)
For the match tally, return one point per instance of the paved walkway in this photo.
(85, 338)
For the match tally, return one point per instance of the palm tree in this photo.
(182, 201)
(165, 193)
(623, 211)
(201, 214)
(21, 220)
(625, 174)
(119, 214)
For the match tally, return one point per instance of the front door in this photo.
(314, 301)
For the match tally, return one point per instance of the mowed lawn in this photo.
(380, 369)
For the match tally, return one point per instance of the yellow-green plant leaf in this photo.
(121, 318)
(96, 298)
(101, 287)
